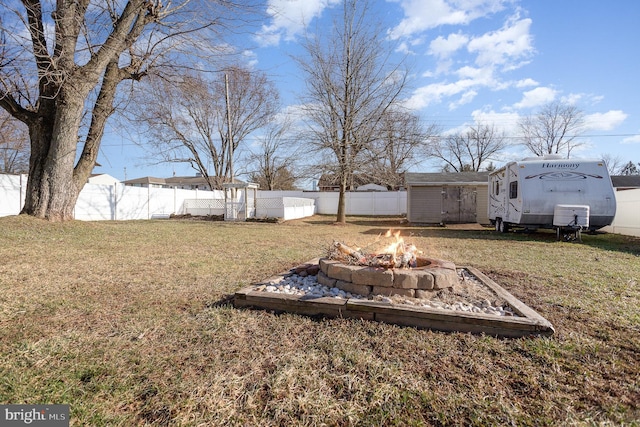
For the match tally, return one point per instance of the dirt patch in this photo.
(469, 226)
(189, 217)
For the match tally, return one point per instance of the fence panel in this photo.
(96, 202)
(297, 207)
(204, 206)
(121, 202)
(11, 194)
(626, 220)
(270, 207)
(362, 202)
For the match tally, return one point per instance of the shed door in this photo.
(458, 204)
(426, 205)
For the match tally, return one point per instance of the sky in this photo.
(472, 62)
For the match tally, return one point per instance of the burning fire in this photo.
(400, 252)
(396, 255)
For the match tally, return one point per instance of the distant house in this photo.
(447, 198)
(102, 178)
(147, 182)
(197, 182)
(625, 182)
(372, 187)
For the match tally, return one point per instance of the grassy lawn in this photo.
(130, 323)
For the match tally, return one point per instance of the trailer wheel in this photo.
(497, 224)
(503, 228)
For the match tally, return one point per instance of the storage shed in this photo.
(447, 198)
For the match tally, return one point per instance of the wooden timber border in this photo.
(527, 323)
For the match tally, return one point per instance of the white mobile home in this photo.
(551, 193)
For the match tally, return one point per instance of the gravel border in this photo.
(469, 296)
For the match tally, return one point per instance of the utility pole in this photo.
(229, 134)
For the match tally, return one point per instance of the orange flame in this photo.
(398, 247)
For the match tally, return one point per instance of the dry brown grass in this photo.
(129, 323)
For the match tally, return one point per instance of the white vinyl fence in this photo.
(266, 206)
(119, 202)
(627, 220)
(12, 190)
(109, 202)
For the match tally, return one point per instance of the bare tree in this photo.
(469, 150)
(187, 122)
(14, 145)
(64, 61)
(351, 83)
(553, 130)
(273, 162)
(614, 164)
(400, 136)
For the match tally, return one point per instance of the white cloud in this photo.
(421, 15)
(582, 98)
(250, 57)
(403, 48)
(509, 46)
(433, 93)
(572, 98)
(466, 98)
(470, 79)
(290, 18)
(445, 47)
(635, 139)
(535, 97)
(526, 83)
(504, 49)
(605, 121)
(504, 122)
(481, 76)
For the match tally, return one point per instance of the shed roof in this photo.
(447, 178)
(146, 180)
(187, 180)
(626, 181)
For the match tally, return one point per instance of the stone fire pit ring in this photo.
(429, 275)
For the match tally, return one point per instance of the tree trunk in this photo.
(51, 191)
(341, 217)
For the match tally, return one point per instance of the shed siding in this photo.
(482, 200)
(425, 204)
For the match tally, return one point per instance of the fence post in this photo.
(149, 201)
(373, 202)
(20, 196)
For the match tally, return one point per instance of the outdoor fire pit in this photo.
(399, 285)
(397, 269)
(419, 282)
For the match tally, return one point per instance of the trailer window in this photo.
(513, 190)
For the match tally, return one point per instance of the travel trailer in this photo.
(547, 192)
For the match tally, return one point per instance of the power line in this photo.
(612, 135)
